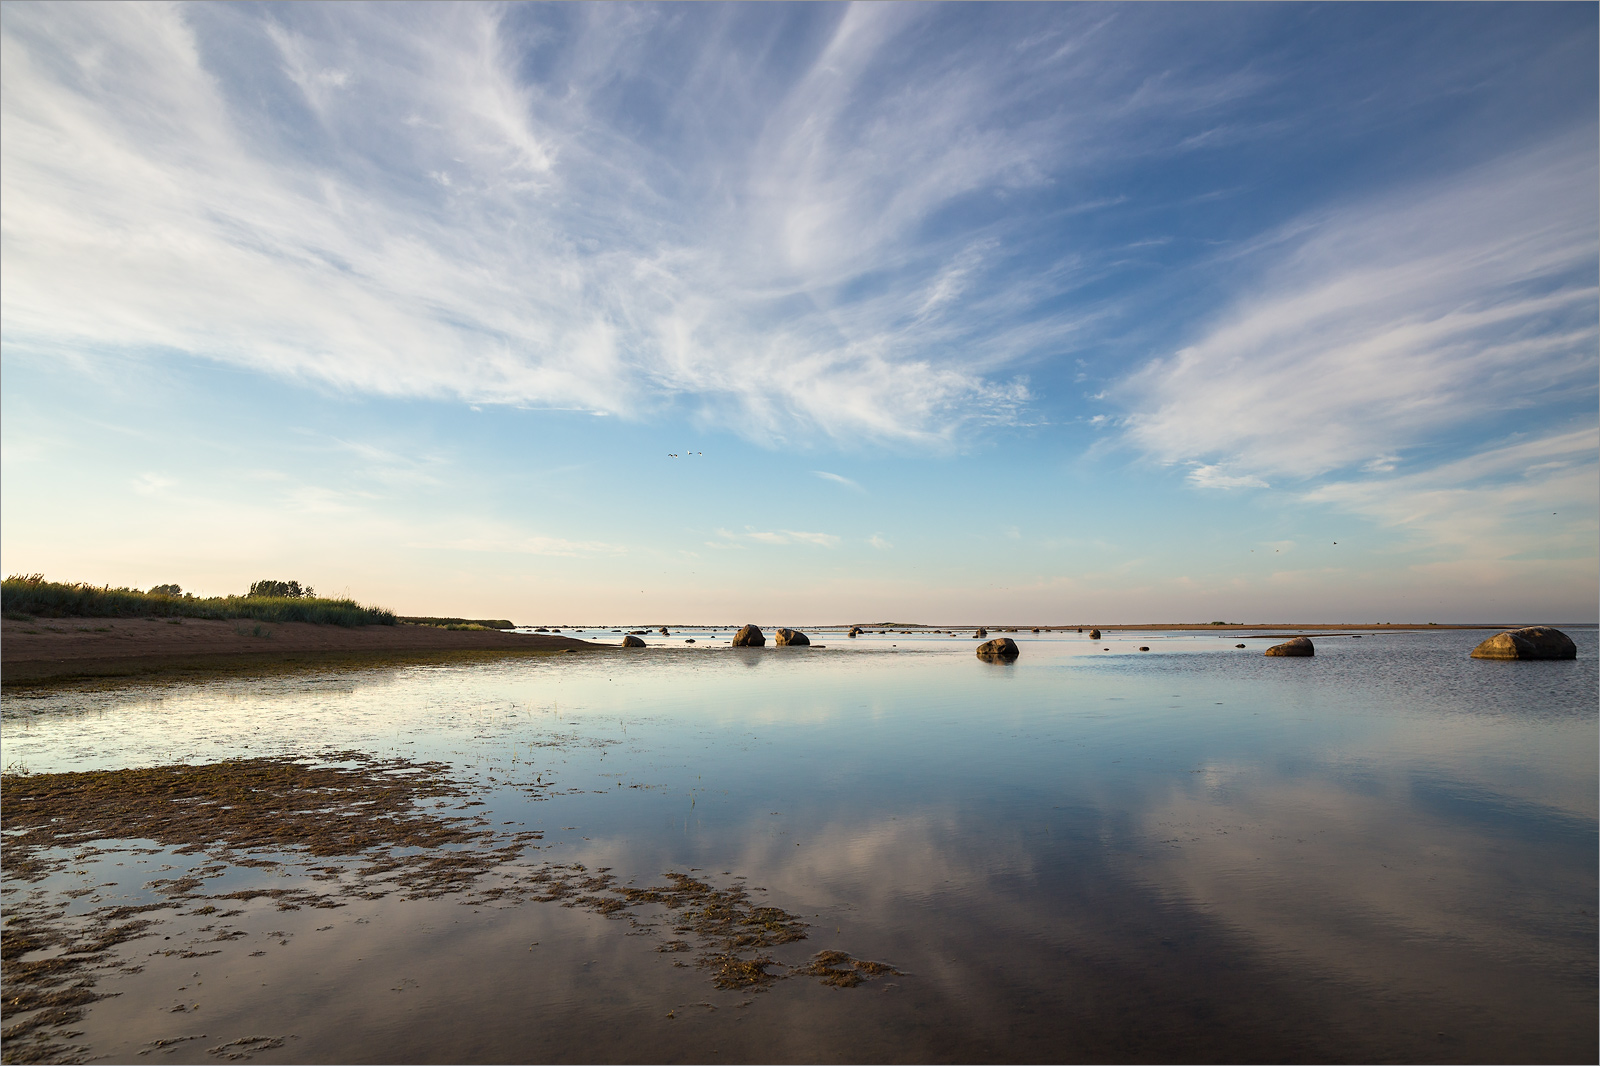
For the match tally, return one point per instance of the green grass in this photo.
(27, 597)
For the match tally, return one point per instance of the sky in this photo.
(808, 314)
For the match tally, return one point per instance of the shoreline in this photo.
(51, 650)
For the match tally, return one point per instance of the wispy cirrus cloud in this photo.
(1386, 324)
(839, 479)
(1532, 498)
(774, 537)
(1391, 347)
(790, 240)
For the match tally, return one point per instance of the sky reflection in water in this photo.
(1385, 852)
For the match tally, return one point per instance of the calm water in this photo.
(1387, 852)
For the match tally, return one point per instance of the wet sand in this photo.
(58, 649)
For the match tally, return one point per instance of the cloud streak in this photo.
(839, 479)
(1385, 325)
(386, 201)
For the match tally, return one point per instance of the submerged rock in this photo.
(1094, 634)
(791, 636)
(1533, 642)
(999, 649)
(631, 641)
(1297, 646)
(749, 637)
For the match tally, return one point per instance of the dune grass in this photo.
(30, 596)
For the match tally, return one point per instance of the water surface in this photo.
(1387, 852)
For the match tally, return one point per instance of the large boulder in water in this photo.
(749, 637)
(631, 641)
(792, 637)
(1534, 642)
(1297, 646)
(1001, 649)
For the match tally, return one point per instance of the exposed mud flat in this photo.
(394, 826)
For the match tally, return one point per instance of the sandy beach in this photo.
(65, 648)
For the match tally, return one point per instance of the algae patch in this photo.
(348, 827)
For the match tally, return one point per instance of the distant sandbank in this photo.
(58, 649)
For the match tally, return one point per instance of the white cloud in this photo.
(840, 478)
(1213, 476)
(775, 537)
(442, 227)
(877, 541)
(1387, 324)
(1538, 496)
(390, 200)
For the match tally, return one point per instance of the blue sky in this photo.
(809, 313)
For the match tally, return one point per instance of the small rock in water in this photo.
(631, 641)
(980, 634)
(791, 637)
(749, 637)
(689, 641)
(1297, 646)
(1001, 649)
(855, 631)
(1238, 645)
(1094, 634)
(1143, 648)
(1533, 642)
(664, 632)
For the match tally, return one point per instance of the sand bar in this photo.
(57, 649)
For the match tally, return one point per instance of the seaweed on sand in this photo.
(253, 804)
(387, 815)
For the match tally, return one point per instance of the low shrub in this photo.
(24, 595)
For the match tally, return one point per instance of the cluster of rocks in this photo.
(1530, 642)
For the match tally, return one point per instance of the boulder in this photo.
(1035, 629)
(1238, 645)
(1534, 642)
(1143, 648)
(1001, 649)
(1094, 634)
(980, 634)
(749, 637)
(631, 641)
(791, 637)
(663, 631)
(855, 631)
(1297, 646)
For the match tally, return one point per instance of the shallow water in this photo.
(1386, 852)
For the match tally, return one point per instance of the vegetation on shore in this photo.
(27, 596)
(457, 623)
